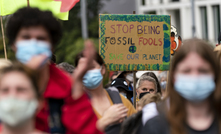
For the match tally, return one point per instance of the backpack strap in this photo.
(55, 124)
(114, 95)
(116, 99)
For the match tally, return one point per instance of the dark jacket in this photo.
(132, 124)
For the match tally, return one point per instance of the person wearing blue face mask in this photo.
(33, 34)
(104, 102)
(193, 93)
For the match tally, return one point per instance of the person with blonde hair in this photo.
(146, 99)
(147, 96)
(146, 84)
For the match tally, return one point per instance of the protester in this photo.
(33, 34)
(194, 93)
(146, 84)
(122, 87)
(109, 106)
(66, 67)
(151, 74)
(132, 124)
(19, 100)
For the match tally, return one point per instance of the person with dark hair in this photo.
(110, 107)
(66, 67)
(33, 34)
(193, 93)
(19, 99)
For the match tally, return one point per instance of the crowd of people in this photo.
(39, 97)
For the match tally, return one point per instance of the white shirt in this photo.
(149, 111)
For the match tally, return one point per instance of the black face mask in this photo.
(142, 94)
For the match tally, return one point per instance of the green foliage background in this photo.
(71, 43)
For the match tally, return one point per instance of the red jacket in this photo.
(77, 115)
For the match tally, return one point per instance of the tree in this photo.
(72, 42)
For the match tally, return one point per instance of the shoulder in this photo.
(125, 101)
(152, 126)
(128, 104)
(59, 84)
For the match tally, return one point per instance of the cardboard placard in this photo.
(135, 42)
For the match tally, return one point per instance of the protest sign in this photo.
(135, 42)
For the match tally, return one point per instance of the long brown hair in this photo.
(177, 113)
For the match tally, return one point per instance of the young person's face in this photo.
(16, 84)
(33, 32)
(27, 53)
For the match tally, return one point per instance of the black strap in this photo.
(116, 99)
(55, 124)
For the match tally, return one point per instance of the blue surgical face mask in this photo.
(195, 89)
(92, 79)
(163, 84)
(26, 49)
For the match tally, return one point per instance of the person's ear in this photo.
(137, 91)
(103, 70)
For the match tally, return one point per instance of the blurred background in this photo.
(206, 23)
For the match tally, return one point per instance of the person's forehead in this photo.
(146, 84)
(192, 60)
(34, 29)
(16, 78)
